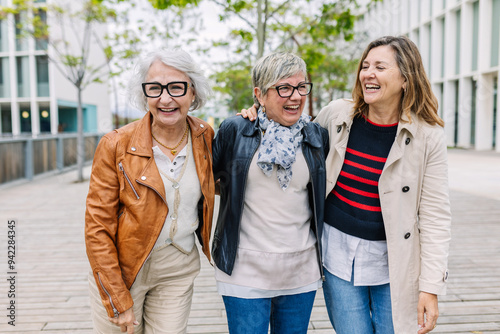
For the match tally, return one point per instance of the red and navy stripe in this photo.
(354, 204)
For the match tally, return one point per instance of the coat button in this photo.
(133, 149)
(406, 189)
(339, 128)
(407, 235)
(407, 141)
(143, 178)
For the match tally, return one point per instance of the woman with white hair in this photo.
(151, 191)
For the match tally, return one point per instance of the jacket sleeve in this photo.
(101, 224)
(219, 147)
(325, 141)
(435, 217)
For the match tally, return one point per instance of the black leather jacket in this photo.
(233, 149)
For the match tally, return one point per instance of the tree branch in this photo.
(237, 14)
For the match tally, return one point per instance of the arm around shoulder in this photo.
(330, 112)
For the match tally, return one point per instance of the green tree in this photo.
(72, 31)
(313, 29)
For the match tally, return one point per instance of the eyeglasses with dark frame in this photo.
(174, 88)
(288, 90)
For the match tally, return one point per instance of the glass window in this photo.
(42, 75)
(429, 56)
(473, 114)
(4, 38)
(41, 18)
(457, 105)
(5, 110)
(457, 42)
(4, 77)
(495, 111)
(25, 116)
(23, 77)
(44, 111)
(495, 32)
(21, 41)
(443, 39)
(475, 34)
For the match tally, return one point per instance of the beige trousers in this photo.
(162, 294)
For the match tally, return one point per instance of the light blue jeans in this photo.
(287, 314)
(357, 309)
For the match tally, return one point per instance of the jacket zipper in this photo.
(115, 311)
(128, 180)
(316, 224)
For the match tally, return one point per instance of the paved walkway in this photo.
(51, 266)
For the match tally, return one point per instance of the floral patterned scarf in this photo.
(278, 147)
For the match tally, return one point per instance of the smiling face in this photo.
(381, 79)
(283, 110)
(168, 111)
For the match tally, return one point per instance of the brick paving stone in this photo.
(52, 267)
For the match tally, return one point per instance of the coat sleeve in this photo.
(101, 224)
(435, 217)
(220, 146)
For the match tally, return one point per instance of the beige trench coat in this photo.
(414, 197)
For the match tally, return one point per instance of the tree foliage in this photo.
(71, 31)
(316, 30)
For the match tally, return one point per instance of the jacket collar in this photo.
(141, 141)
(346, 117)
(405, 124)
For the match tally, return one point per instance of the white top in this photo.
(277, 249)
(182, 193)
(340, 250)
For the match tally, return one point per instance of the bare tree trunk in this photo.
(310, 97)
(260, 29)
(80, 143)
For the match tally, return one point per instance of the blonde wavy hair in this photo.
(418, 96)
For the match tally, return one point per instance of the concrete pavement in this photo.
(50, 266)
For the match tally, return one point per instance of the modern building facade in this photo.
(460, 45)
(35, 97)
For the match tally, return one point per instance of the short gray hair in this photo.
(275, 67)
(178, 59)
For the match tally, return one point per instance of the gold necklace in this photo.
(172, 149)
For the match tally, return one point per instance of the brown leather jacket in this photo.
(126, 206)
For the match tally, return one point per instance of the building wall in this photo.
(460, 45)
(34, 93)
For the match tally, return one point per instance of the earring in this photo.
(263, 109)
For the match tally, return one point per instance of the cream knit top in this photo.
(277, 249)
(182, 195)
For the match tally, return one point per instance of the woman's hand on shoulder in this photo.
(250, 113)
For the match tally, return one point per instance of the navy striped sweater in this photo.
(353, 206)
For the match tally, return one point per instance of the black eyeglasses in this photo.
(174, 88)
(288, 90)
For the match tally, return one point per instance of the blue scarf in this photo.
(278, 147)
